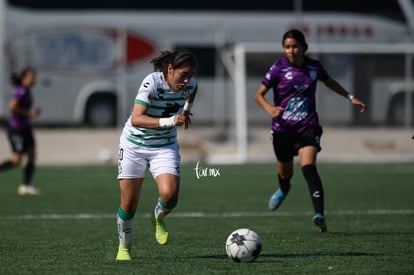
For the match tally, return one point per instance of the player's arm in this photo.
(189, 102)
(336, 87)
(273, 111)
(14, 108)
(140, 119)
(187, 108)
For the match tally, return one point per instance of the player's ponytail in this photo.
(15, 79)
(161, 61)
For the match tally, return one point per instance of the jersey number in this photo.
(170, 108)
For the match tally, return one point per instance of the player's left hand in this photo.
(359, 103)
(187, 121)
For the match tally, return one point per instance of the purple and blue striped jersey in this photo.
(294, 89)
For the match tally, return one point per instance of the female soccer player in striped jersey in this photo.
(295, 125)
(149, 140)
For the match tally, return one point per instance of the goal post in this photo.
(235, 63)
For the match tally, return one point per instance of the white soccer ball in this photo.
(243, 245)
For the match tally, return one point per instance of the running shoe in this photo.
(161, 233)
(277, 199)
(27, 190)
(320, 222)
(123, 254)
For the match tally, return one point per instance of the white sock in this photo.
(160, 211)
(124, 231)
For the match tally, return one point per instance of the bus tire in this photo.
(100, 111)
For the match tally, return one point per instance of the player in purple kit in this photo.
(295, 124)
(20, 132)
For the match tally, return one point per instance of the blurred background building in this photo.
(92, 55)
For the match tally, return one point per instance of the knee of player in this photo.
(16, 161)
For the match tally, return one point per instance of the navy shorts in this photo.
(21, 139)
(287, 144)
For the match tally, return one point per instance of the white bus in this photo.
(90, 59)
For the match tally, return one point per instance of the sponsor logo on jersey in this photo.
(289, 75)
(312, 74)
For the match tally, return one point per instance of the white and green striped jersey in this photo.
(161, 101)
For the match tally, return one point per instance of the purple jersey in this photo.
(294, 89)
(24, 98)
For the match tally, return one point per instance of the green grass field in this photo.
(70, 228)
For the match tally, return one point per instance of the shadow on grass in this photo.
(369, 233)
(296, 255)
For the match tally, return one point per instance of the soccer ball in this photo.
(243, 245)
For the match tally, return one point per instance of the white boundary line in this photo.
(210, 215)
